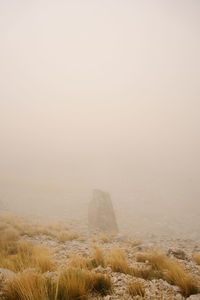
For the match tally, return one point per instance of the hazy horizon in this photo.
(102, 94)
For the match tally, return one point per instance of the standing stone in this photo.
(101, 214)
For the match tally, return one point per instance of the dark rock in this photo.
(178, 253)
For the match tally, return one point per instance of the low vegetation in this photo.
(96, 259)
(118, 261)
(22, 255)
(24, 227)
(104, 237)
(170, 270)
(196, 258)
(67, 236)
(136, 288)
(147, 273)
(70, 285)
(31, 286)
(78, 279)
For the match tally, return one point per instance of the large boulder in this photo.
(101, 214)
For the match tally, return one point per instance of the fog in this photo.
(100, 94)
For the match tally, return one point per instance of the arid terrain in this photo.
(55, 258)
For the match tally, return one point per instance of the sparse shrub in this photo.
(196, 258)
(136, 288)
(117, 260)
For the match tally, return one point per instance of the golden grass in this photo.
(22, 255)
(71, 284)
(117, 261)
(177, 275)
(196, 258)
(101, 284)
(32, 229)
(67, 236)
(104, 237)
(97, 257)
(136, 288)
(81, 262)
(77, 284)
(146, 273)
(171, 271)
(141, 257)
(74, 284)
(29, 286)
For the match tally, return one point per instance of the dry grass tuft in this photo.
(177, 275)
(136, 288)
(77, 284)
(22, 255)
(72, 284)
(80, 262)
(104, 237)
(97, 257)
(67, 236)
(141, 257)
(29, 286)
(146, 273)
(118, 262)
(196, 258)
(102, 284)
(171, 271)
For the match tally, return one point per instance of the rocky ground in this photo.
(179, 249)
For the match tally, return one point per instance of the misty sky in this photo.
(101, 92)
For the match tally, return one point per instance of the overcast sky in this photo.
(104, 92)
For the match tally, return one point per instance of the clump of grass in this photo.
(72, 284)
(97, 257)
(118, 261)
(77, 284)
(171, 271)
(146, 273)
(104, 237)
(136, 288)
(196, 258)
(23, 255)
(102, 284)
(177, 275)
(67, 236)
(80, 262)
(29, 286)
(141, 257)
